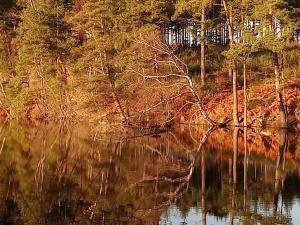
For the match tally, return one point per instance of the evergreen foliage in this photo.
(68, 56)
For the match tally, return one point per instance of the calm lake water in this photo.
(58, 174)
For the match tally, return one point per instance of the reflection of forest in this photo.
(71, 175)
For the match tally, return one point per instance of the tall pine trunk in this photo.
(245, 95)
(202, 47)
(232, 70)
(280, 92)
(117, 102)
(228, 13)
(105, 70)
(235, 97)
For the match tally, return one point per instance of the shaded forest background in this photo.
(105, 61)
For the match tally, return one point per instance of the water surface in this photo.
(62, 174)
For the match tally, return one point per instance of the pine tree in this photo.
(198, 10)
(276, 31)
(242, 45)
(7, 23)
(232, 19)
(100, 39)
(42, 40)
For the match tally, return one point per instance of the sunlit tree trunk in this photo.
(235, 97)
(228, 13)
(245, 95)
(278, 79)
(117, 102)
(279, 92)
(202, 47)
(8, 49)
(106, 71)
(232, 69)
(62, 69)
(41, 76)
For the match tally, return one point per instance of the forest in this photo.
(127, 63)
(149, 112)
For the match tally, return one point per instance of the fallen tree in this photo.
(171, 71)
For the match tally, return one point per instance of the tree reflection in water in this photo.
(69, 175)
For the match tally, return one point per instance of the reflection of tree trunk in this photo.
(280, 168)
(230, 170)
(202, 47)
(40, 169)
(245, 168)
(231, 219)
(234, 172)
(203, 188)
(235, 155)
(179, 185)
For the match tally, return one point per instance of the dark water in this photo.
(57, 174)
